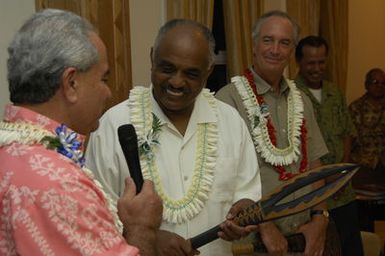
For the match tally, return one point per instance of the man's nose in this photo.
(275, 48)
(177, 80)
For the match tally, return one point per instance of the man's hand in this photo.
(315, 235)
(141, 216)
(144, 209)
(230, 230)
(275, 242)
(171, 244)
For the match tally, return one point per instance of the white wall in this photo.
(146, 17)
(12, 14)
(275, 5)
(366, 43)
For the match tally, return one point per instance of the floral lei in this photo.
(148, 126)
(263, 132)
(64, 142)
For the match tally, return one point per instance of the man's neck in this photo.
(274, 80)
(315, 86)
(376, 101)
(179, 119)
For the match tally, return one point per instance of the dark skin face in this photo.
(180, 68)
(312, 66)
(375, 85)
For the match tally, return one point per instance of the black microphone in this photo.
(129, 143)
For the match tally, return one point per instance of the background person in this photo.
(336, 126)
(367, 113)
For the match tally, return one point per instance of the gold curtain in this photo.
(112, 20)
(329, 19)
(198, 10)
(334, 28)
(307, 14)
(239, 18)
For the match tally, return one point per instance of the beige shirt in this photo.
(277, 107)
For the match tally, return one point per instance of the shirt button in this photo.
(185, 178)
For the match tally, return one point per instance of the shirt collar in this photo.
(17, 114)
(263, 87)
(326, 86)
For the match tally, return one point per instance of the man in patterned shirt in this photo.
(333, 118)
(367, 112)
(50, 204)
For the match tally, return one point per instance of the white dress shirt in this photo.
(236, 174)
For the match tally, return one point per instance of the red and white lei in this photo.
(262, 129)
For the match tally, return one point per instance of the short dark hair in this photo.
(186, 22)
(313, 41)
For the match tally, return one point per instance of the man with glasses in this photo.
(368, 148)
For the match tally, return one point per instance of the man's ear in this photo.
(211, 68)
(69, 84)
(152, 57)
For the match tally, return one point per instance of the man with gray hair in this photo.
(283, 127)
(50, 204)
(196, 149)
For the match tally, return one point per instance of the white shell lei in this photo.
(260, 134)
(181, 210)
(25, 133)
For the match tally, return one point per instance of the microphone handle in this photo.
(135, 170)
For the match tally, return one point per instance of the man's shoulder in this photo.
(305, 98)
(357, 102)
(116, 114)
(332, 87)
(38, 164)
(225, 91)
(229, 116)
(226, 109)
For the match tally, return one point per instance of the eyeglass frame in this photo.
(376, 82)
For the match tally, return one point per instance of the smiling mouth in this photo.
(174, 92)
(316, 76)
(271, 60)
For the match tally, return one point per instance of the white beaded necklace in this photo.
(181, 210)
(260, 134)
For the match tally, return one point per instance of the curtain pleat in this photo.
(239, 18)
(112, 20)
(198, 10)
(307, 14)
(334, 28)
(329, 19)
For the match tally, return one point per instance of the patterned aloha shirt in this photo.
(368, 147)
(334, 121)
(48, 205)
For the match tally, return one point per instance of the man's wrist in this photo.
(144, 238)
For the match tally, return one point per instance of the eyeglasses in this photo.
(376, 82)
